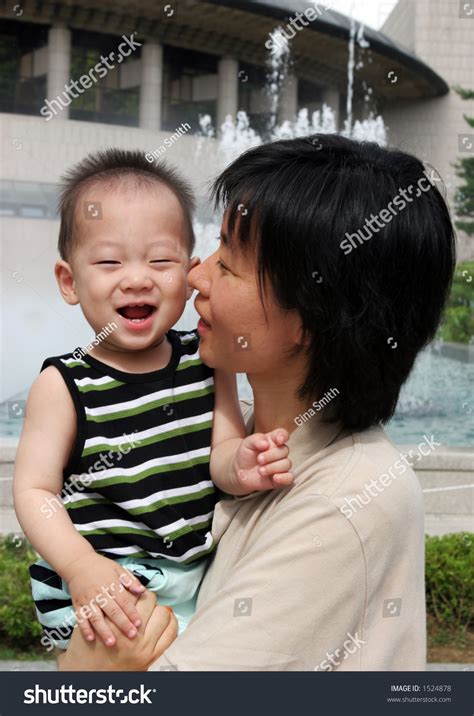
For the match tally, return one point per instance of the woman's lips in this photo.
(203, 327)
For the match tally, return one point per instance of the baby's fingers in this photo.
(273, 468)
(86, 629)
(280, 436)
(101, 629)
(272, 455)
(128, 604)
(251, 480)
(116, 615)
(130, 582)
(256, 442)
(283, 479)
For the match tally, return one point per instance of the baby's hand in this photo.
(262, 462)
(99, 586)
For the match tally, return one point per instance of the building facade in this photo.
(76, 77)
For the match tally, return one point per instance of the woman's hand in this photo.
(158, 631)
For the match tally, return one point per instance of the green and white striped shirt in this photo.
(137, 482)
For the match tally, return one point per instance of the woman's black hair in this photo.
(370, 290)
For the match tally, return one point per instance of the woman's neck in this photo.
(275, 402)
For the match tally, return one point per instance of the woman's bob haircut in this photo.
(357, 238)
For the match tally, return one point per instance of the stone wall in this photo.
(441, 36)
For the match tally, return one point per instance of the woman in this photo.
(334, 264)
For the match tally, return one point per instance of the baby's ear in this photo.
(65, 279)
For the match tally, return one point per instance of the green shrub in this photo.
(458, 320)
(450, 580)
(19, 627)
(458, 325)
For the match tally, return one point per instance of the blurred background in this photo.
(206, 81)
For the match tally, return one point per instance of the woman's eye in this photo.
(221, 265)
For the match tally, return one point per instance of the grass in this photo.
(449, 647)
(8, 653)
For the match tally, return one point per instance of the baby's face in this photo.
(130, 266)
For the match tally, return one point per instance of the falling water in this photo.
(350, 75)
(425, 394)
(278, 62)
(236, 135)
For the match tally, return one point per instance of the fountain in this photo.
(236, 134)
(423, 397)
(211, 154)
(278, 63)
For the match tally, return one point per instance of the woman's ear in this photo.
(302, 337)
(193, 262)
(65, 278)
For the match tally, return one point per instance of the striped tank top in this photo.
(137, 481)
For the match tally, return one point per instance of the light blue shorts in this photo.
(175, 585)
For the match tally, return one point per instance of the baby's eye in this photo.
(108, 262)
(160, 261)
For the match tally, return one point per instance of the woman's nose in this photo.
(200, 277)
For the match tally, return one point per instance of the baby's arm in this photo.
(48, 435)
(239, 464)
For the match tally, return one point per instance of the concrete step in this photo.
(15, 665)
(51, 666)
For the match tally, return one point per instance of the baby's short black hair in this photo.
(109, 166)
(369, 298)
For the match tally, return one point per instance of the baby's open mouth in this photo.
(136, 312)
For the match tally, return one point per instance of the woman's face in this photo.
(236, 335)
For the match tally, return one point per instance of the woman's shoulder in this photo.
(368, 479)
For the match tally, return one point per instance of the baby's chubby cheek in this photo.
(175, 281)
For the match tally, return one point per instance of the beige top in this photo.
(325, 575)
